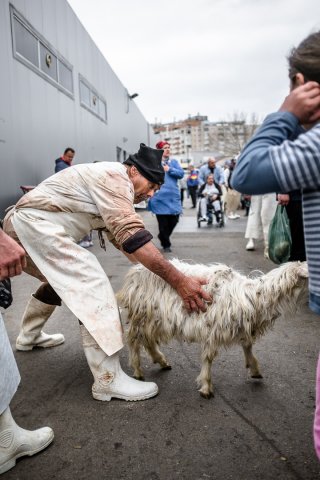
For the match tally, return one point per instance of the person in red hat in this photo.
(166, 204)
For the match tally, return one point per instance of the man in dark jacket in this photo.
(65, 161)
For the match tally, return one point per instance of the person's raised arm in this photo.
(254, 173)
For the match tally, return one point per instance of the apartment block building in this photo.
(197, 134)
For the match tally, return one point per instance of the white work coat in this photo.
(53, 217)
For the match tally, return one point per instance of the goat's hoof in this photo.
(139, 377)
(257, 376)
(207, 395)
(166, 367)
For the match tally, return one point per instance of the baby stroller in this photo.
(213, 207)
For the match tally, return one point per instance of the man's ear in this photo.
(133, 171)
(299, 80)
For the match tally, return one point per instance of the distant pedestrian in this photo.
(210, 194)
(166, 203)
(65, 160)
(262, 210)
(193, 184)
(183, 188)
(246, 201)
(211, 168)
(232, 196)
(293, 205)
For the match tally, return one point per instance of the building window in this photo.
(92, 100)
(26, 44)
(31, 49)
(102, 109)
(84, 94)
(65, 76)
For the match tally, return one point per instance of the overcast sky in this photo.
(213, 57)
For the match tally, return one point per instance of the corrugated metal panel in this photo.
(38, 120)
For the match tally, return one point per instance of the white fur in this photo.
(243, 309)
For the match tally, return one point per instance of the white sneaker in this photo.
(250, 245)
(203, 219)
(236, 216)
(232, 216)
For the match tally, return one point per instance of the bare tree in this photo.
(230, 136)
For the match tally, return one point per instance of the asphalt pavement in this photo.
(251, 429)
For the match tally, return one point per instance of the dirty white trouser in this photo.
(50, 238)
(262, 210)
(9, 373)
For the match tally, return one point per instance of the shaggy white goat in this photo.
(243, 309)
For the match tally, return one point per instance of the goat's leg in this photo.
(134, 344)
(251, 361)
(204, 380)
(157, 356)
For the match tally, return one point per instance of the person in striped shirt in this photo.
(279, 159)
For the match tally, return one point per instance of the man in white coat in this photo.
(50, 220)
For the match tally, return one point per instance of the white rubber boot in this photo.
(16, 442)
(110, 381)
(35, 316)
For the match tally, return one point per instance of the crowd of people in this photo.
(41, 236)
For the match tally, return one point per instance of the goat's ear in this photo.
(303, 269)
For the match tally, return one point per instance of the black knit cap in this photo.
(148, 162)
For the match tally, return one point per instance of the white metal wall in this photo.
(37, 120)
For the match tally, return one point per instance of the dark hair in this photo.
(68, 149)
(305, 58)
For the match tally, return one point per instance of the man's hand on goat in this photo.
(189, 288)
(193, 296)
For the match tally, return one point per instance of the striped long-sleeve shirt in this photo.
(275, 161)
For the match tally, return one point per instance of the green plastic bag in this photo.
(280, 240)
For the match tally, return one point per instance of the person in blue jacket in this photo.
(166, 203)
(279, 158)
(211, 168)
(65, 160)
(193, 184)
